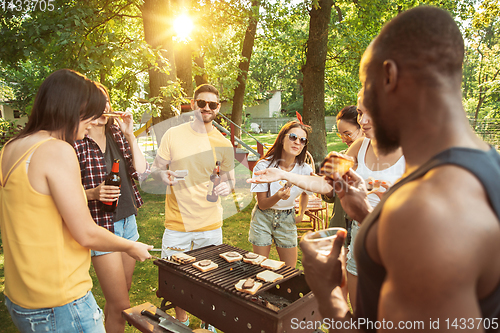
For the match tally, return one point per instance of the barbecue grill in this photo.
(212, 297)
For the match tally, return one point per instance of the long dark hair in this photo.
(274, 153)
(105, 91)
(349, 114)
(64, 99)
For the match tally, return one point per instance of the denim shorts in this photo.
(351, 263)
(272, 224)
(125, 228)
(81, 315)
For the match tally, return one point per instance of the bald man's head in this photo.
(416, 53)
(424, 40)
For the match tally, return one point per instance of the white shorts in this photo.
(179, 241)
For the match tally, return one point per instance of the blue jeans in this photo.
(81, 315)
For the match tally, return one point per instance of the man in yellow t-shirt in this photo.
(191, 221)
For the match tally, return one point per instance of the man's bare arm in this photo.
(433, 241)
(310, 183)
(160, 172)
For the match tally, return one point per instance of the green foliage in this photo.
(481, 74)
(8, 129)
(103, 40)
(279, 52)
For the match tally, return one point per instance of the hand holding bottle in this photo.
(212, 194)
(222, 189)
(105, 192)
(112, 179)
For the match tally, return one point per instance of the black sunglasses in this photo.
(293, 137)
(212, 105)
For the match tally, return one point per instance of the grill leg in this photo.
(164, 306)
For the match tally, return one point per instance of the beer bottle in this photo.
(214, 181)
(112, 179)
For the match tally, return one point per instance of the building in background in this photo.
(10, 114)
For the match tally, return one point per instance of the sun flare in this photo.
(183, 25)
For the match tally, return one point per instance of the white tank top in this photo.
(390, 174)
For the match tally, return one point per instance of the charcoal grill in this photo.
(212, 297)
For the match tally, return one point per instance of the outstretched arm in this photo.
(310, 183)
(57, 160)
(351, 188)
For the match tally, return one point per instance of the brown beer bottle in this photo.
(112, 179)
(214, 182)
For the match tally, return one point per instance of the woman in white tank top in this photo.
(376, 168)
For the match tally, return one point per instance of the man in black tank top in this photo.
(429, 255)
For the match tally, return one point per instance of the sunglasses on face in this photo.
(293, 137)
(348, 136)
(212, 105)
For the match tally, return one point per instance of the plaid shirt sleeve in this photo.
(124, 147)
(93, 172)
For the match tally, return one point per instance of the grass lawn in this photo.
(237, 210)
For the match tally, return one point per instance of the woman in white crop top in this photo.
(376, 168)
(273, 217)
(384, 168)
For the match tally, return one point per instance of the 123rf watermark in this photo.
(23, 6)
(432, 324)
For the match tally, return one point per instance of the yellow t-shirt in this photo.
(186, 204)
(44, 265)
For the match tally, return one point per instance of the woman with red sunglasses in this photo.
(273, 217)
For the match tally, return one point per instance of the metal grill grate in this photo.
(228, 274)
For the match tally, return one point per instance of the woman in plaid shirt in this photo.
(105, 142)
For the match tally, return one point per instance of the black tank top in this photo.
(486, 167)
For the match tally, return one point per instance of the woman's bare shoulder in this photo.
(354, 148)
(57, 147)
(55, 152)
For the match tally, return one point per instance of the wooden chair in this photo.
(317, 210)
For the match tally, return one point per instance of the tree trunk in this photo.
(482, 95)
(239, 91)
(183, 66)
(183, 59)
(158, 33)
(202, 77)
(314, 78)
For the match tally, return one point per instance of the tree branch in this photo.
(102, 23)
